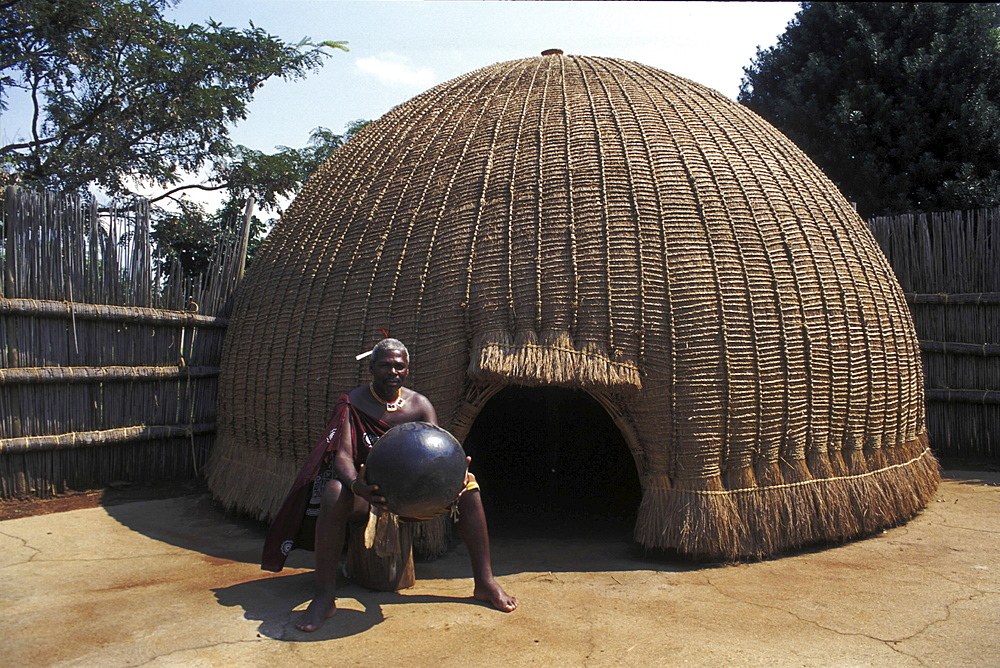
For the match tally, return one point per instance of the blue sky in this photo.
(401, 48)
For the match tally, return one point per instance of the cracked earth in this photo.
(172, 582)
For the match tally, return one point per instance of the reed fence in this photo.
(949, 267)
(108, 364)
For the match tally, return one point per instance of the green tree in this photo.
(122, 97)
(898, 103)
(120, 94)
(190, 234)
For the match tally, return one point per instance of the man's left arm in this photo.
(428, 414)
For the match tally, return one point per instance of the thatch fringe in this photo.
(249, 481)
(553, 360)
(431, 538)
(701, 519)
(671, 517)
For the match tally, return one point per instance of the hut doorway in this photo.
(552, 457)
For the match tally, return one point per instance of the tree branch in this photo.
(199, 186)
(10, 148)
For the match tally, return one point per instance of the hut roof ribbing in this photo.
(595, 223)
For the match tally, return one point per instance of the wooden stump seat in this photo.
(389, 573)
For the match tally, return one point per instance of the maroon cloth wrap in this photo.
(294, 524)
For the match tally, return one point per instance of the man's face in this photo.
(390, 370)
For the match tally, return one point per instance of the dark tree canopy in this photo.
(899, 103)
(120, 93)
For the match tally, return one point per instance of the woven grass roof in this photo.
(596, 223)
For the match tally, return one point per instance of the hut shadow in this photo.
(989, 478)
(272, 602)
(520, 547)
(193, 522)
(519, 544)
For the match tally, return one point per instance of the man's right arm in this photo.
(347, 472)
(343, 458)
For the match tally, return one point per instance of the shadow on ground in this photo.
(584, 543)
(271, 601)
(538, 544)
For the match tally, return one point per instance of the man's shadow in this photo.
(197, 523)
(271, 601)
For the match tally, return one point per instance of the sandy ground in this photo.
(173, 582)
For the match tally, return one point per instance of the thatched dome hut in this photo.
(596, 224)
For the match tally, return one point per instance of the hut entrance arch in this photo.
(552, 454)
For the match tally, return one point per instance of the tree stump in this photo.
(389, 573)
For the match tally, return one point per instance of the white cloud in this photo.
(393, 69)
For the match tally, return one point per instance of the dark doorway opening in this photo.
(549, 457)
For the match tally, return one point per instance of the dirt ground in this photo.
(175, 582)
(124, 492)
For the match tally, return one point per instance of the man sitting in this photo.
(359, 418)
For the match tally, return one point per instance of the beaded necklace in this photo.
(390, 406)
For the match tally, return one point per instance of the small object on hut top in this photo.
(552, 52)
(419, 469)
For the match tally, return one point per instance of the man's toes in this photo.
(507, 604)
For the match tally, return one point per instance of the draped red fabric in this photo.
(294, 524)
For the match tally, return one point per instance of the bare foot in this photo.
(321, 609)
(491, 592)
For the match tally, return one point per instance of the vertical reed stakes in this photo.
(109, 365)
(948, 265)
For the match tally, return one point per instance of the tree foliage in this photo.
(190, 234)
(899, 103)
(120, 93)
(121, 97)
